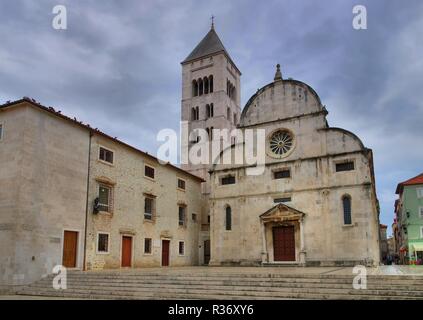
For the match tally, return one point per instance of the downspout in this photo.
(87, 203)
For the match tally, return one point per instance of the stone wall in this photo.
(44, 179)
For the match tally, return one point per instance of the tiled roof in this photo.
(210, 44)
(413, 181)
(58, 113)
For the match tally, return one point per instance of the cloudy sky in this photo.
(117, 66)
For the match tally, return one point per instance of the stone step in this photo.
(370, 281)
(236, 289)
(90, 294)
(223, 284)
(237, 275)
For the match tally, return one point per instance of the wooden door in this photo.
(284, 243)
(165, 252)
(206, 252)
(126, 251)
(70, 245)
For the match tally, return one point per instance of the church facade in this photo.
(72, 195)
(314, 204)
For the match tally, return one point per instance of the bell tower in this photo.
(210, 93)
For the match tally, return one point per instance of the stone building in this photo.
(315, 203)
(72, 195)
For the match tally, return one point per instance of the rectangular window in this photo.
(421, 232)
(149, 172)
(194, 217)
(345, 166)
(147, 245)
(228, 180)
(104, 198)
(1, 131)
(419, 192)
(181, 184)
(282, 200)
(148, 208)
(103, 243)
(282, 174)
(181, 248)
(181, 216)
(106, 155)
(421, 212)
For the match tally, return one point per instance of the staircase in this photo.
(224, 283)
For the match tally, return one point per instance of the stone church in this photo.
(315, 203)
(72, 195)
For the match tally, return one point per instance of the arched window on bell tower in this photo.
(206, 85)
(211, 83)
(200, 87)
(194, 88)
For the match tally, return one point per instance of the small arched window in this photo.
(193, 114)
(206, 85)
(211, 110)
(197, 113)
(346, 206)
(211, 84)
(200, 87)
(228, 113)
(228, 218)
(194, 88)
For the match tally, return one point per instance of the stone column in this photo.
(264, 257)
(302, 245)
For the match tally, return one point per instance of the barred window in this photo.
(103, 243)
(228, 180)
(282, 200)
(345, 166)
(181, 248)
(281, 174)
(147, 245)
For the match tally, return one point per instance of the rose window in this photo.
(281, 142)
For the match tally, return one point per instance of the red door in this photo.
(126, 251)
(165, 252)
(70, 243)
(284, 243)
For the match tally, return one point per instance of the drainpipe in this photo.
(87, 203)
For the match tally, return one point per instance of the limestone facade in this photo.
(50, 175)
(310, 196)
